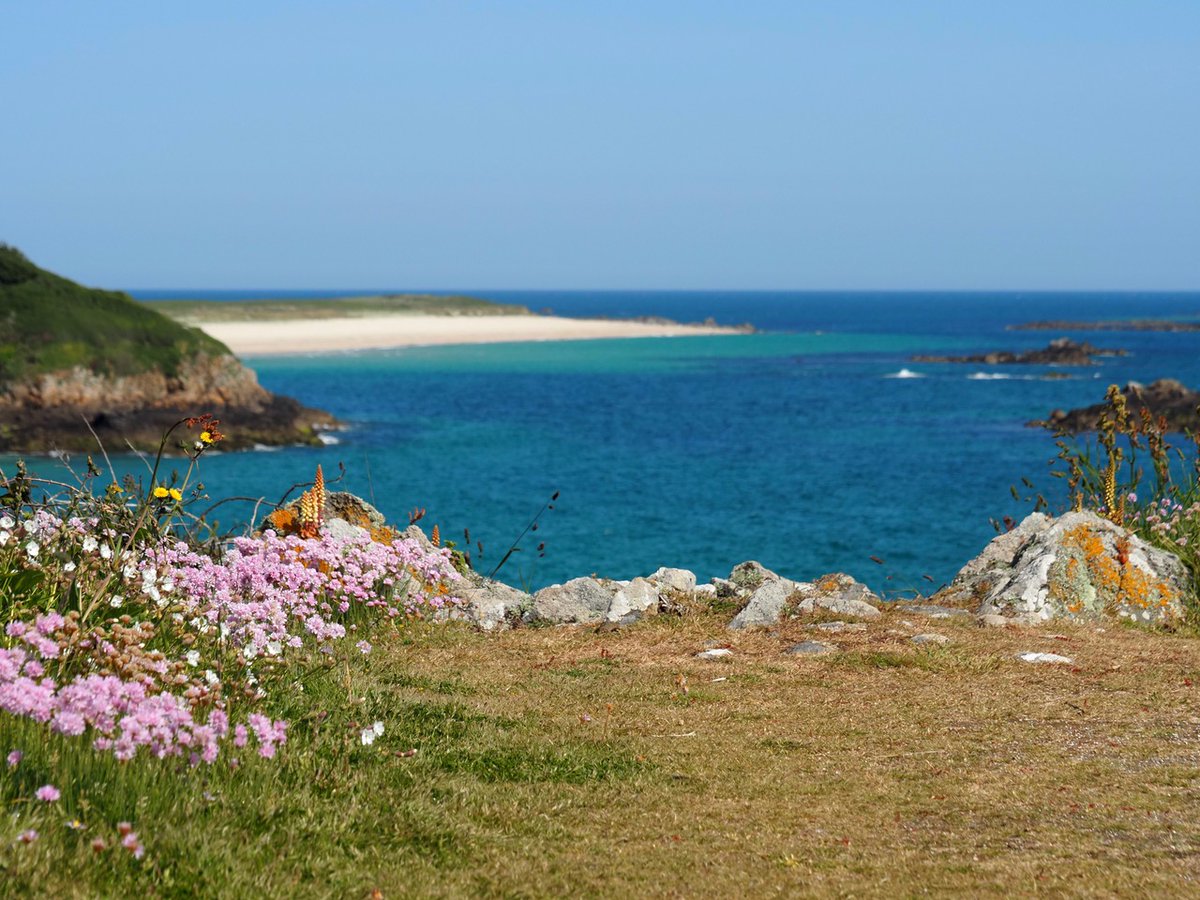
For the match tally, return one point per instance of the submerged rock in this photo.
(1078, 566)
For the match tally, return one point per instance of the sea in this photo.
(814, 445)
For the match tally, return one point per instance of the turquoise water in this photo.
(795, 448)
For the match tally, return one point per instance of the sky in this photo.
(623, 144)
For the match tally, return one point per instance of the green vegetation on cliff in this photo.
(49, 323)
(193, 311)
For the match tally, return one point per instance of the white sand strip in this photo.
(293, 336)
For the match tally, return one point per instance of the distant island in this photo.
(1060, 352)
(1110, 325)
(73, 357)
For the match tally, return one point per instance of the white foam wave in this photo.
(989, 376)
(905, 373)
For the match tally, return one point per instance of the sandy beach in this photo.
(384, 332)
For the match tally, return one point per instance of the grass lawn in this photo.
(560, 761)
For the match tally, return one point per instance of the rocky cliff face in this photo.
(202, 381)
(49, 410)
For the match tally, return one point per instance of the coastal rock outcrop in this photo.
(768, 597)
(74, 358)
(1076, 566)
(1060, 352)
(1166, 397)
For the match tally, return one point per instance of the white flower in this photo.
(90, 544)
(4, 537)
(249, 651)
(69, 566)
(167, 585)
(274, 648)
(129, 571)
(32, 549)
(192, 657)
(368, 735)
(105, 551)
(149, 575)
(6, 523)
(210, 676)
(117, 600)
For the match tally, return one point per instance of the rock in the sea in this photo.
(1077, 566)
(808, 648)
(583, 600)
(674, 579)
(1172, 400)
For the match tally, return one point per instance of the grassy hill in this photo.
(49, 323)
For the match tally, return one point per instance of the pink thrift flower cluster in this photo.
(266, 595)
(269, 593)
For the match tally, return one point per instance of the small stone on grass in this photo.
(1032, 657)
(930, 639)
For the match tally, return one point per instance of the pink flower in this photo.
(27, 837)
(47, 793)
(14, 757)
(363, 647)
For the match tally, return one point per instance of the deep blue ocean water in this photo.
(796, 447)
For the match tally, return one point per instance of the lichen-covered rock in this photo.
(749, 575)
(1078, 566)
(582, 600)
(840, 594)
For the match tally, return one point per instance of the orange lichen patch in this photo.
(828, 584)
(383, 534)
(1120, 582)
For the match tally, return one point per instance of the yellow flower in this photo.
(161, 493)
(175, 495)
(114, 489)
(206, 437)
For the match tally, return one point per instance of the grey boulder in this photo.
(1077, 566)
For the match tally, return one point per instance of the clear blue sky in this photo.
(614, 144)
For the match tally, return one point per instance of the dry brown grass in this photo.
(885, 769)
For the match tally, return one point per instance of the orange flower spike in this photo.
(435, 537)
